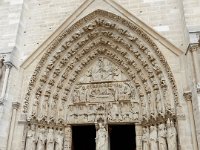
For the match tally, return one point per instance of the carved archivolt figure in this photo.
(152, 105)
(52, 109)
(145, 139)
(50, 140)
(41, 139)
(144, 109)
(171, 136)
(35, 106)
(61, 111)
(159, 103)
(59, 140)
(153, 138)
(30, 139)
(162, 137)
(44, 108)
(101, 138)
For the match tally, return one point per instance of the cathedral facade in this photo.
(104, 73)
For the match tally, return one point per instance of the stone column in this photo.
(138, 131)
(194, 49)
(15, 106)
(68, 138)
(188, 98)
(5, 82)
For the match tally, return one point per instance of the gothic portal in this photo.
(103, 70)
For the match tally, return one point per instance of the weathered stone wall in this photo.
(39, 19)
(192, 17)
(26, 24)
(10, 12)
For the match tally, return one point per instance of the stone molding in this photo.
(101, 34)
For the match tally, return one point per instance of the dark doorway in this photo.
(122, 137)
(83, 137)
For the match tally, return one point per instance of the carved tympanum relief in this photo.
(103, 83)
(103, 67)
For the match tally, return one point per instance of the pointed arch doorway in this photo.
(102, 70)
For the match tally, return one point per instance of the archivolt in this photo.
(101, 34)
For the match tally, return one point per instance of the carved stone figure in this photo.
(101, 138)
(35, 106)
(115, 112)
(44, 108)
(152, 104)
(70, 114)
(59, 140)
(91, 113)
(162, 137)
(124, 92)
(144, 109)
(101, 70)
(145, 139)
(1, 67)
(126, 111)
(135, 110)
(41, 139)
(52, 109)
(153, 138)
(171, 136)
(159, 103)
(83, 94)
(61, 111)
(76, 96)
(50, 140)
(31, 139)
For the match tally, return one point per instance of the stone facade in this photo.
(100, 62)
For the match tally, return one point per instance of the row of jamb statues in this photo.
(44, 139)
(161, 137)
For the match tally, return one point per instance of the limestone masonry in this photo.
(72, 63)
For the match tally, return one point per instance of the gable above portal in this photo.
(90, 6)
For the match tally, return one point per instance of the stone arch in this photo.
(119, 42)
